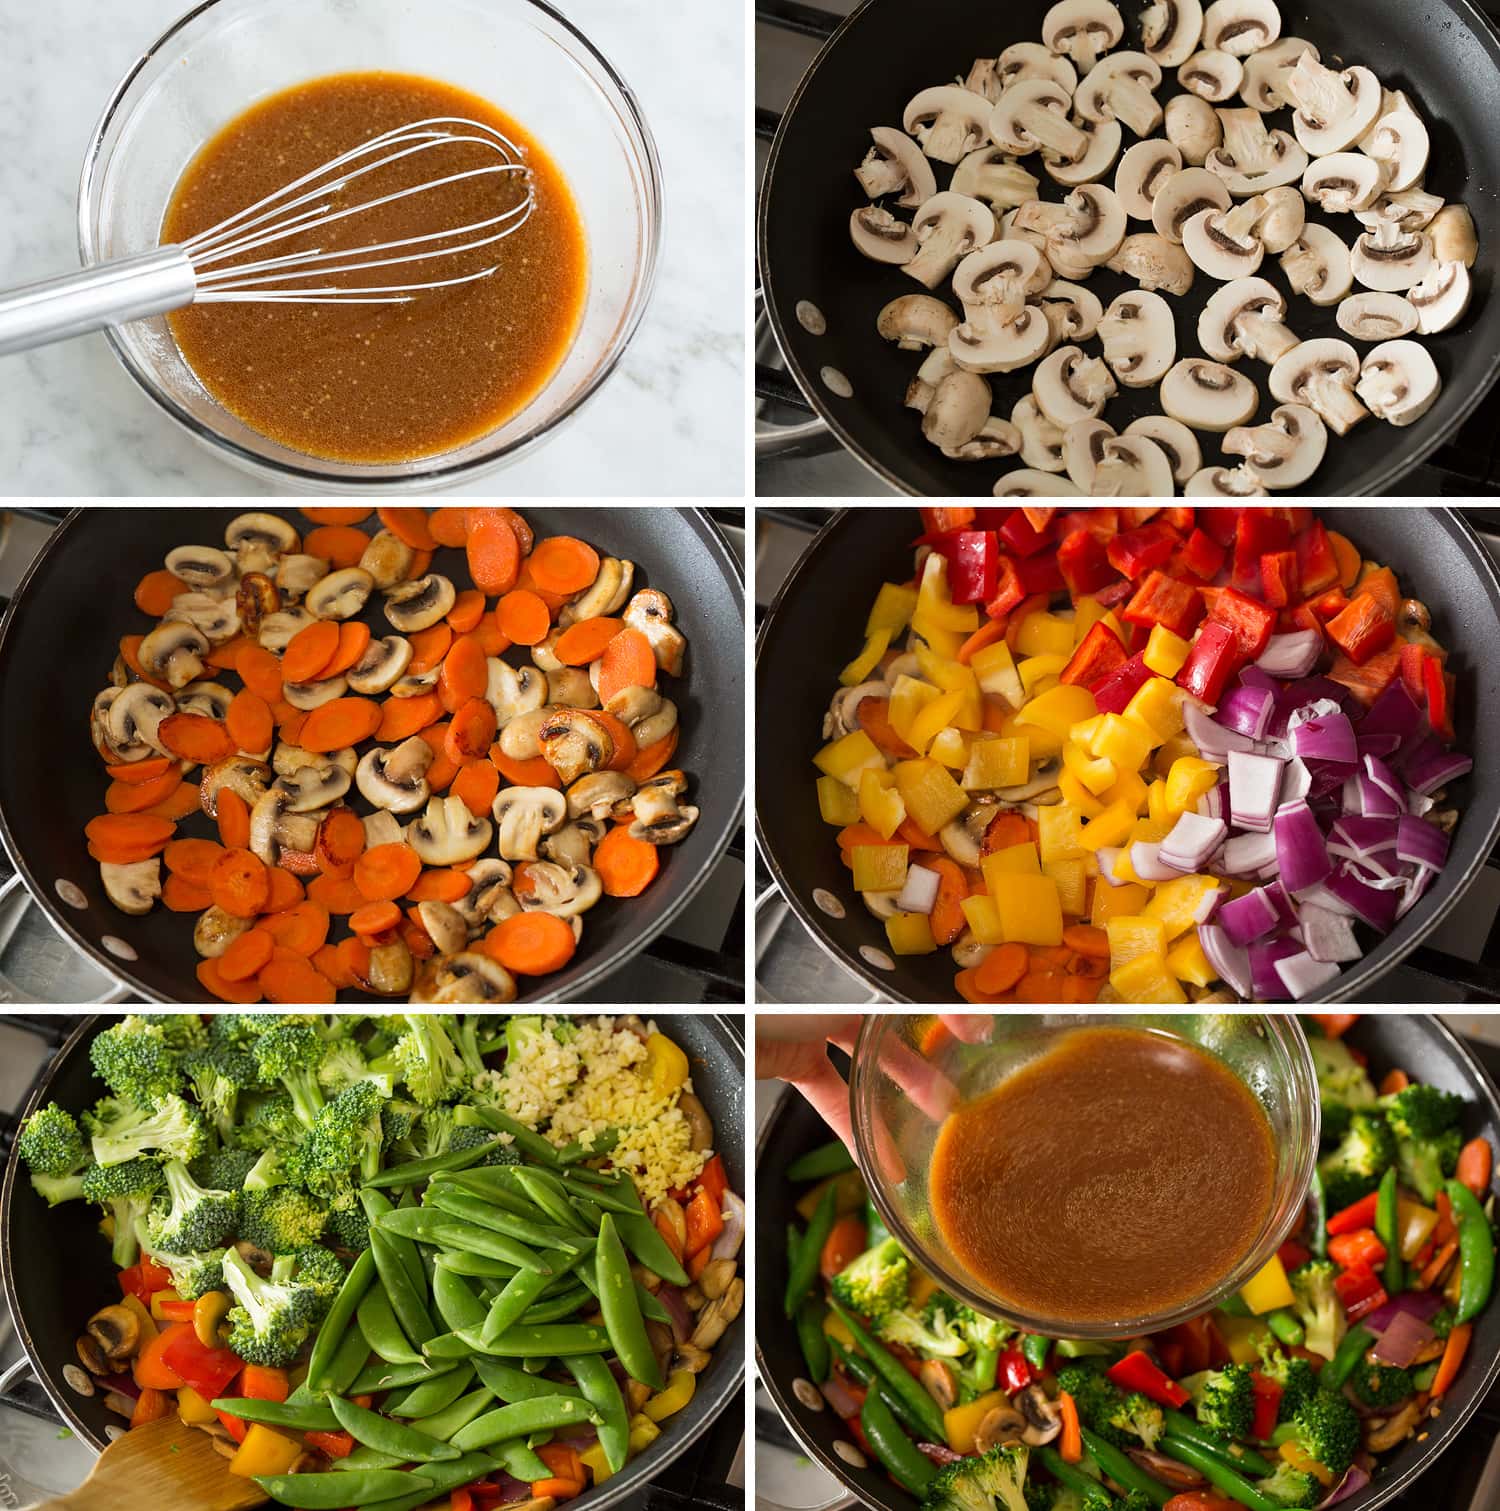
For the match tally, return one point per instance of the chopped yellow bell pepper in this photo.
(1096, 773)
(1151, 831)
(995, 668)
(1013, 860)
(836, 1328)
(997, 761)
(1060, 832)
(892, 609)
(265, 1451)
(932, 797)
(1299, 1459)
(910, 934)
(961, 1423)
(1130, 938)
(643, 1433)
(1123, 871)
(160, 1299)
(593, 1458)
(946, 643)
(1043, 634)
(983, 918)
(192, 1409)
(1122, 741)
(1039, 674)
(1243, 1337)
(1146, 979)
(909, 696)
(937, 715)
(1171, 751)
(868, 659)
(1165, 652)
(837, 803)
(943, 671)
(935, 604)
(1029, 907)
(1189, 780)
(1072, 884)
(1157, 708)
(1187, 961)
(846, 758)
(880, 804)
(1076, 795)
(1415, 1223)
(1060, 709)
(666, 1064)
(1130, 790)
(1110, 828)
(1116, 902)
(950, 748)
(1268, 1290)
(1156, 802)
(680, 1386)
(879, 868)
(1177, 903)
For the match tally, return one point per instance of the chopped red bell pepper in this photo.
(1084, 565)
(1252, 622)
(1215, 657)
(460, 1500)
(1040, 516)
(714, 1180)
(1360, 1291)
(1181, 517)
(1278, 578)
(1041, 574)
(1267, 1405)
(1113, 694)
(1298, 517)
(1013, 1373)
(176, 1311)
(973, 562)
(1317, 566)
(1137, 1372)
(1203, 556)
(1360, 1214)
(1293, 1255)
(144, 1280)
(1137, 552)
(1360, 1249)
(704, 1222)
(1220, 523)
(940, 521)
(1133, 517)
(1165, 601)
(1330, 604)
(1195, 1346)
(1098, 655)
(237, 1427)
(1019, 535)
(1365, 627)
(337, 1445)
(1113, 594)
(1301, 617)
(1103, 522)
(1258, 531)
(1438, 686)
(1412, 677)
(208, 1370)
(1008, 590)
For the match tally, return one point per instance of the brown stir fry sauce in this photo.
(383, 383)
(1117, 1174)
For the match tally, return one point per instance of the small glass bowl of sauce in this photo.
(1088, 1176)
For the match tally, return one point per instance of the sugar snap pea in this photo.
(1476, 1252)
(559, 1307)
(1317, 1201)
(858, 1368)
(512, 1384)
(468, 1208)
(377, 1321)
(340, 1314)
(907, 1463)
(427, 1226)
(1234, 1485)
(590, 1212)
(651, 1307)
(602, 1392)
(433, 1396)
(411, 1256)
(521, 1461)
(457, 1414)
(1346, 1357)
(394, 1257)
(1387, 1230)
(512, 1302)
(475, 1266)
(802, 1270)
(304, 1416)
(327, 1492)
(818, 1164)
(528, 1141)
(1233, 1455)
(456, 1302)
(603, 1143)
(601, 1196)
(385, 1436)
(622, 1312)
(646, 1243)
(813, 1340)
(545, 1342)
(546, 1191)
(366, 1458)
(378, 1375)
(417, 1172)
(896, 1378)
(439, 1480)
(523, 1417)
(353, 1355)
(497, 1186)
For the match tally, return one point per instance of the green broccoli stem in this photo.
(1124, 1470)
(1234, 1485)
(1287, 1327)
(1183, 1426)
(986, 1368)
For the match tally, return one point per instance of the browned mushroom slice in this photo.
(260, 540)
(651, 612)
(573, 743)
(383, 663)
(255, 598)
(660, 819)
(447, 834)
(523, 815)
(134, 717)
(396, 779)
(466, 977)
(388, 559)
(173, 653)
(340, 595)
(247, 778)
(564, 891)
(216, 930)
(132, 888)
(200, 566)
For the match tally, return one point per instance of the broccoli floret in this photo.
(994, 1481)
(321, 1272)
(1425, 1163)
(1097, 1398)
(193, 1218)
(1224, 1399)
(271, 1318)
(1317, 1305)
(1422, 1112)
(1328, 1431)
(345, 1137)
(282, 1220)
(51, 1143)
(1292, 1488)
(348, 1227)
(126, 1190)
(185, 1032)
(1443, 1323)
(1296, 1377)
(500, 1153)
(192, 1274)
(1136, 1500)
(343, 1064)
(428, 1060)
(290, 1054)
(465, 1033)
(171, 1130)
(933, 1337)
(1041, 1497)
(1344, 1086)
(267, 1121)
(137, 1062)
(1363, 1155)
(226, 1168)
(1140, 1417)
(876, 1282)
(56, 1189)
(1381, 1385)
(397, 1120)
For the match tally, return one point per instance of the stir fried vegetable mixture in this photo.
(462, 812)
(1337, 1352)
(342, 1255)
(1141, 754)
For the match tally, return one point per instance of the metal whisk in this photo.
(204, 269)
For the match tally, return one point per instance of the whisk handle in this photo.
(109, 293)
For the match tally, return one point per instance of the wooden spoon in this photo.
(162, 1464)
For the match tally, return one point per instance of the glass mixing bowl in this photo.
(520, 54)
(906, 1078)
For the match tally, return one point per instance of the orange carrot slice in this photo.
(260, 671)
(249, 722)
(310, 650)
(523, 617)
(428, 647)
(628, 661)
(563, 564)
(470, 732)
(240, 883)
(626, 866)
(156, 590)
(387, 872)
(531, 944)
(494, 554)
(410, 526)
(233, 815)
(586, 641)
(339, 545)
(400, 718)
(246, 955)
(344, 721)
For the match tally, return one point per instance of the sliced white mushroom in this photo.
(1266, 70)
(571, 688)
(1083, 450)
(296, 573)
(340, 595)
(661, 818)
(1284, 452)
(1282, 221)
(1171, 29)
(1399, 142)
(260, 540)
(1410, 209)
(381, 828)
(1068, 386)
(1321, 374)
(1224, 482)
(266, 815)
(278, 630)
(1245, 318)
(415, 684)
(1192, 127)
(1073, 312)
(1225, 245)
(1041, 440)
(1252, 159)
(466, 977)
(1027, 482)
(1241, 27)
(1174, 440)
(1082, 30)
(133, 888)
(523, 815)
(200, 566)
(247, 778)
(988, 174)
(513, 691)
(650, 611)
(1343, 182)
(1033, 60)
(1143, 170)
(445, 926)
(1377, 317)
(1032, 116)
(134, 716)
(1134, 466)
(604, 795)
(521, 738)
(988, 342)
(958, 416)
(447, 834)
(173, 653)
(1440, 299)
(1140, 338)
(936, 366)
(387, 559)
(573, 844)
(418, 604)
(381, 664)
(881, 236)
(211, 699)
(1090, 235)
(1317, 265)
(949, 122)
(215, 930)
(1104, 138)
(312, 788)
(608, 593)
(1122, 88)
(290, 759)
(1454, 238)
(916, 322)
(1154, 263)
(543, 886)
(1399, 382)
(1184, 195)
(1390, 259)
(896, 165)
(1333, 110)
(948, 227)
(1212, 75)
(1208, 395)
(217, 618)
(310, 695)
(396, 778)
(573, 743)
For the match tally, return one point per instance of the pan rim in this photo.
(717, 545)
(1486, 32)
(1453, 1423)
(1348, 982)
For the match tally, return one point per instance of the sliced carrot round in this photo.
(387, 872)
(341, 840)
(437, 884)
(301, 928)
(338, 894)
(354, 638)
(531, 944)
(476, 785)
(310, 650)
(286, 891)
(494, 554)
(246, 955)
(628, 661)
(233, 815)
(156, 590)
(177, 804)
(245, 993)
(240, 883)
(196, 737)
(535, 772)
(467, 611)
(249, 722)
(180, 895)
(409, 525)
(344, 721)
(260, 671)
(466, 672)
(129, 831)
(470, 732)
(523, 617)
(291, 979)
(375, 918)
(336, 514)
(149, 770)
(653, 758)
(449, 526)
(563, 564)
(136, 797)
(401, 718)
(586, 641)
(192, 859)
(428, 647)
(626, 866)
(339, 545)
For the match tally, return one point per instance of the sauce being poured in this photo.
(384, 382)
(1118, 1174)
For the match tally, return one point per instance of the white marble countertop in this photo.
(670, 421)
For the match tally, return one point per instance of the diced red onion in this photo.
(1265, 979)
(1191, 841)
(838, 1396)
(1296, 781)
(1246, 854)
(727, 1244)
(1107, 857)
(1377, 744)
(510, 1488)
(1254, 783)
(1300, 850)
(1282, 902)
(1414, 890)
(1228, 959)
(1213, 740)
(1247, 711)
(1208, 905)
(1355, 1479)
(1329, 737)
(1291, 655)
(1329, 936)
(1394, 712)
(1368, 904)
(1301, 975)
(1248, 918)
(1423, 1305)
(1403, 1339)
(1380, 773)
(920, 892)
(677, 1309)
(1374, 801)
(1419, 841)
(1355, 838)
(1146, 862)
(1212, 804)
(1430, 765)
(940, 1453)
